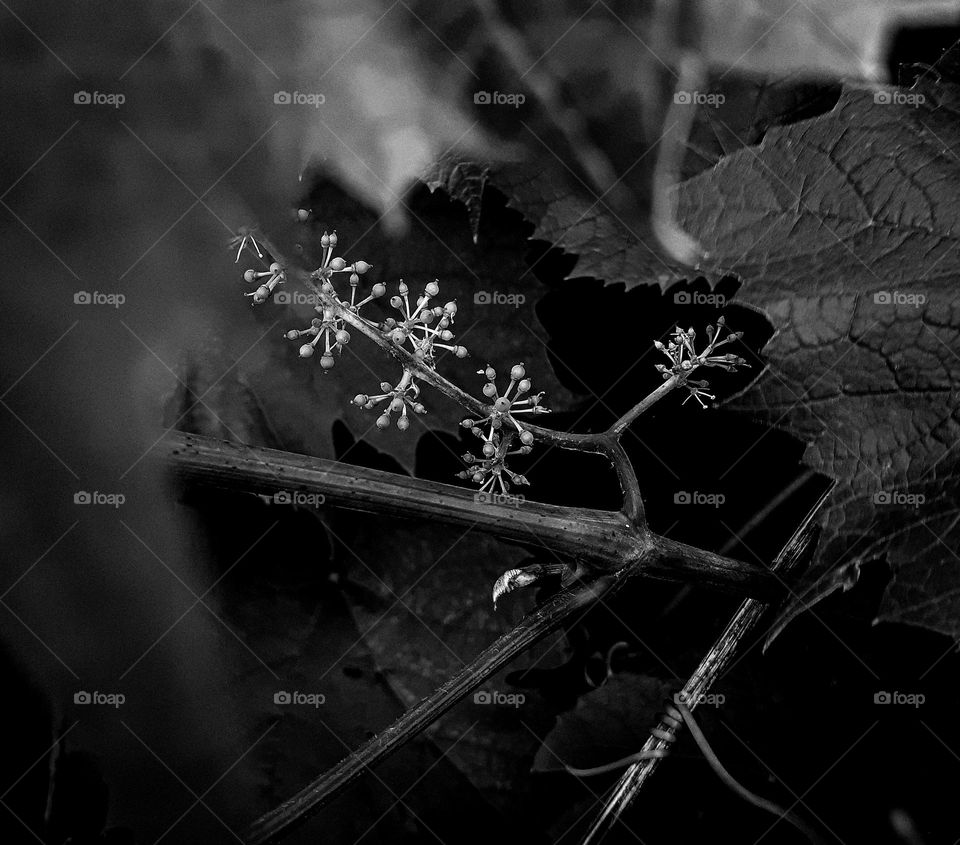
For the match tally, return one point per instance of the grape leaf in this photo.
(584, 145)
(431, 614)
(397, 81)
(844, 229)
(463, 181)
(606, 246)
(751, 105)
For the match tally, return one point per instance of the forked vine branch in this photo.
(605, 548)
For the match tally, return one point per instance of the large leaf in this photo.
(844, 229)
(398, 79)
(584, 146)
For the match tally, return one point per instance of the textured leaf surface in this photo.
(583, 147)
(845, 229)
(429, 613)
(398, 79)
(750, 107)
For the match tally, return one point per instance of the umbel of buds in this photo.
(421, 328)
(425, 329)
(398, 399)
(421, 331)
(489, 470)
(327, 331)
(684, 358)
(275, 276)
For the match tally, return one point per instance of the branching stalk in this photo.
(606, 443)
(618, 545)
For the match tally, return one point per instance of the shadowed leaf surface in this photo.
(607, 724)
(856, 265)
(429, 612)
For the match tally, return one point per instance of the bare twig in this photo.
(533, 627)
(710, 668)
(642, 406)
(605, 539)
